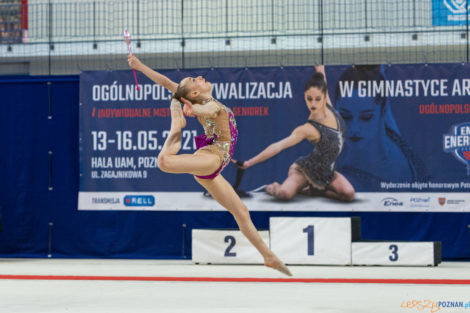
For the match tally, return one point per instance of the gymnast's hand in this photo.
(242, 164)
(320, 68)
(134, 62)
(188, 108)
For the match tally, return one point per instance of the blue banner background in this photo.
(398, 142)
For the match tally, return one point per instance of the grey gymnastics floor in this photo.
(77, 285)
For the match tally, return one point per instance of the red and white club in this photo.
(127, 39)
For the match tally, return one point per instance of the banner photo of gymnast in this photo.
(372, 138)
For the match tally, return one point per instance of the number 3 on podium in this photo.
(394, 250)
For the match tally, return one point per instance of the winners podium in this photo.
(311, 241)
(225, 247)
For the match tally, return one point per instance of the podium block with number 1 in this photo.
(311, 240)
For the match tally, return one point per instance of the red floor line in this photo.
(245, 280)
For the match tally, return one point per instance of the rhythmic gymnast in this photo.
(313, 174)
(214, 149)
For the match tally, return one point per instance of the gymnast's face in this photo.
(314, 99)
(196, 86)
(363, 117)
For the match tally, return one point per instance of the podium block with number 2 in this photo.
(225, 247)
(310, 240)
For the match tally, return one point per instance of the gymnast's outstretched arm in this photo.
(321, 69)
(298, 134)
(158, 78)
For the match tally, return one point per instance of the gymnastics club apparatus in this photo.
(127, 39)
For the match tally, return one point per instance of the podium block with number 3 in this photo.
(396, 253)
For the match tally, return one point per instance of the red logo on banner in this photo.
(442, 201)
(466, 155)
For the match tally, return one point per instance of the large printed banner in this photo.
(407, 140)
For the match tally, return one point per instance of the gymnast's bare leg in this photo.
(293, 184)
(224, 194)
(178, 121)
(201, 163)
(204, 163)
(339, 188)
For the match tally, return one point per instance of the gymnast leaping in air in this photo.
(214, 149)
(315, 173)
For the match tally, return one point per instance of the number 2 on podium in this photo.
(310, 240)
(230, 246)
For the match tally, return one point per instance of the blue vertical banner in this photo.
(407, 144)
(450, 12)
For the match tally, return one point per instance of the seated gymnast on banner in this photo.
(315, 173)
(214, 149)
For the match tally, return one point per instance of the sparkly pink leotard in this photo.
(220, 136)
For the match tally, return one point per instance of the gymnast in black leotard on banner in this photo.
(315, 173)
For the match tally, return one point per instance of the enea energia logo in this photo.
(139, 200)
(391, 202)
(458, 143)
